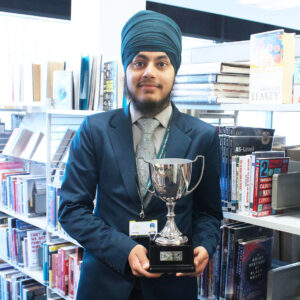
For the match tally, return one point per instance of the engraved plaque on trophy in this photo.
(170, 251)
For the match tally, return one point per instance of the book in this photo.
(113, 85)
(260, 154)
(212, 78)
(264, 170)
(235, 233)
(35, 240)
(64, 253)
(296, 87)
(34, 196)
(210, 87)
(32, 145)
(62, 147)
(36, 82)
(63, 89)
(51, 68)
(272, 57)
(84, 82)
(17, 142)
(253, 264)
(215, 68)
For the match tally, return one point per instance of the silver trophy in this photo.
(170, 180)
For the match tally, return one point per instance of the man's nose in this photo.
(149, 71)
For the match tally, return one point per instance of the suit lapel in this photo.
(178, 141)
(120, 132)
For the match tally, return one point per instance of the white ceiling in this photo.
(274, 12)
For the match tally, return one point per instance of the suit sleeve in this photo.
(207, 211)
(76, 205)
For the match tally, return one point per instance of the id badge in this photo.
(142, 228)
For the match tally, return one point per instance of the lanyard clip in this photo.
(142, 214)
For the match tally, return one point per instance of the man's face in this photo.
(150, 78)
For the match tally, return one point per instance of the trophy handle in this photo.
(151, 192)
(203, 164)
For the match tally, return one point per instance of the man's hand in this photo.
(200, 261)
(139, 263)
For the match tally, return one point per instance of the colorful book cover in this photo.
(296, 88)
(264, 170)
(110, 85)
(272, 56)
(84, 82)
(235, 233)
(253, 264)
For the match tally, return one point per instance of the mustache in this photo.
(148, 82)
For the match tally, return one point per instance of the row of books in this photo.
(239, 268)
(61, 266)
(25, 143)
(251, 181)
(21, 192)
(21, 243)
(16, 285)
(211, 83)
(239, 140)
(272, 76)
(86, 84)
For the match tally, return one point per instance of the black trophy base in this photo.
(171, 259)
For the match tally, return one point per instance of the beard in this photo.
(148, 107)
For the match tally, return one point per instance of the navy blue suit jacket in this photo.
(102, 159)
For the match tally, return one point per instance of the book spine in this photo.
(71, 276)
(233, 183)
(256, 180)
(240, 256)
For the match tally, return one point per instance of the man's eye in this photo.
(162, 64)
(139, 64)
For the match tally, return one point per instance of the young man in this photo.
(103, 158)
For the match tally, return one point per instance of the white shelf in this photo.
(40, 222)
(62, 235)
(288, 222)
(243, 107)
(72, 112)
(25, 159)
(36, 275)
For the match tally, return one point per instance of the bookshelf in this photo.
(36, 275)
(57, 121)
(40, 222)
(244, 107)
(287, 222)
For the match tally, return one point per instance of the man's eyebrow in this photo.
(141, 56)
(147, 58)
(162, 57)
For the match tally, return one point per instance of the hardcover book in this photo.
(272, 56)
(253, 264)
(215, 68)
(113, 85)
(63, 89)
(264, 170)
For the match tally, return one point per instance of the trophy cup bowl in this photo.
(170, 250)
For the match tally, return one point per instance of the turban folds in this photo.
(151, 31)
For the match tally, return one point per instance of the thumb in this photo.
(142, 257)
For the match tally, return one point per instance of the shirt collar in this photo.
(163, 117)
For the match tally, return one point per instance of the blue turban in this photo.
(151, 31)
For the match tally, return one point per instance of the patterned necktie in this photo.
(145, 148)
